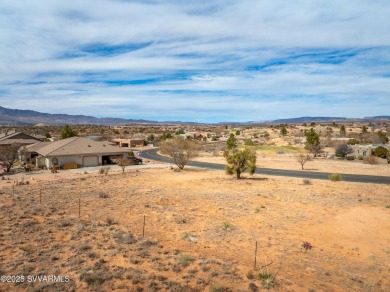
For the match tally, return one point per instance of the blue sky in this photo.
(203, 61)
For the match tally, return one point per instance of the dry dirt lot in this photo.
(318, 164)
(200, 233)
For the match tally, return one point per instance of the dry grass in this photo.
(347, 224)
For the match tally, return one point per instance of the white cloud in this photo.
(207, 57)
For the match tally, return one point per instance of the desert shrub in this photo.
(360, 157)
(371, 160)
(104, 170)
(268, 280)
(335, 177)
(306, 181)
(350, 157)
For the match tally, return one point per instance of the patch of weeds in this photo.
(184, 260)
(227, 225)
(387, 206)
(93, 255)
(64, 223)
(104, 170)
(122, 237)
(103, 195)
(217, 288)
(250, 275)
(335, 177)
(258, 209)
(188, 236)
(110, 221)
(267, 279)
(54, 258)
(25, 248)
(306, 181)
(84, 247)
(94, 279)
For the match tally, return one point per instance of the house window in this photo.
(364, 153)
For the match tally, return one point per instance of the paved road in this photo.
(151, 154)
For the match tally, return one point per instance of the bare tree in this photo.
(181, 151)
(9, 155)
(303, 158)
(123, 162)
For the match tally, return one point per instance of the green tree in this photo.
(249, 142)
(151, 138)
(364, 129)
(380, 152)
(283, 131)
(388, 156)
(240, 161)
(67, 132)
(179, 131)
(165, 136)
(383, 137)
(231, 142)
(238, 132)
(313, 142)
(343, 132)
(353, 141)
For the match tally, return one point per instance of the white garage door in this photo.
(90, 161)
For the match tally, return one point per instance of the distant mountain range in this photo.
(15, 117)
(27, 117)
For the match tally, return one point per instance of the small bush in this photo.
(227, 225)
(217, 288)
(184, 260)
(371, 160)
(306, 181)
(104, 170)
(110, 221)
(267, 279)
(335, 177)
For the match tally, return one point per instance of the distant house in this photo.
(129, 142)
(84, 152)
(9, 138)
(366, 150)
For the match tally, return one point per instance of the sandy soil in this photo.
(318, 164)
(200, 233)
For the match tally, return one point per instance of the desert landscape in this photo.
(200, 232)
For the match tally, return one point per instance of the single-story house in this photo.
(129, 142)
(8, 138)
(76, 150)
(366, 150)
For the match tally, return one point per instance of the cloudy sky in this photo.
(193, 60)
